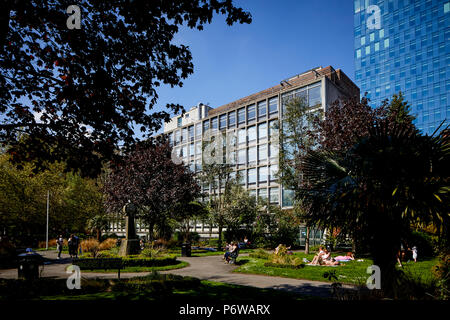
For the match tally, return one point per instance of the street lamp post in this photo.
(46, 234)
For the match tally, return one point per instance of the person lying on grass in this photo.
(345, 258)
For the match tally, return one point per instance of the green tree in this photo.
(240, 210)
(98, 224)
(298, 133)
(78, 93)
(391, 179)
(23, 201)
(218, 177)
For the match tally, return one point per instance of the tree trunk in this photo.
(151, 226)
(307, 241)
(219, 242)
(99, 235)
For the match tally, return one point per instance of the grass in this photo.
(352, 272)
(179, 265)
(204, 253)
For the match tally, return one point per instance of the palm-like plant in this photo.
(98, 224)
(390, 179)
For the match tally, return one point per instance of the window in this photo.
(242, 136)
(205, 126)
(184, 135)
(251, 155)
(273, 150)
(231, 119)
(198, 130)
(179, 121)
(377, 46)
(251, 133)
(381, 33)
(252, 193)
(191, 133)
(198, 148)
(314, 96)
(241, 115)
(262, 131)
(262, 195)
(262, 109)
(372, 37)
(386, 43)
(273, 170)
(262, 174)
(191, 149)
(288, 197)
(262, 152)
(251, 113)
(273, 195)
(363, 40)
(251, 176)
(177, 137)
(273, 131)
(358, 53)
(170, 135)
(242, 177)
(446, 7)
(368, 50)
(273, 105)
(222, 121)
(214, 123)
(242, 156)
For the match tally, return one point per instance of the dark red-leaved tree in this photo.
(151, 181)
(75, 94)
(348, 120)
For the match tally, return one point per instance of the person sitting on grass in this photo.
(315, 260)
(327, 260)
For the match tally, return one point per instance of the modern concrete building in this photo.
(404, 45)
(250, 121)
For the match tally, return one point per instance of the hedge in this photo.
(115, 263)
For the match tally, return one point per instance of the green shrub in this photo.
(151, 252)
(259, 254)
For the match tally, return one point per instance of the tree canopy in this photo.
(75, 94)
(152, 182)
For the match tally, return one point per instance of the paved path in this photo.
(213, 268)
(206, 268)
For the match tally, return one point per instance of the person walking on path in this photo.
(59, 245)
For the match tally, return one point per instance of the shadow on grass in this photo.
(241, 262)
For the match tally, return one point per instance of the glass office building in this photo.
(403, 45)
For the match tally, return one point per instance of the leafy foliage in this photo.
(152, 182)
(389, 179)
(77, 94)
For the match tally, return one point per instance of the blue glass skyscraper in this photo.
(403, 45)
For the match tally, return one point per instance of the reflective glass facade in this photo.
(403, 45)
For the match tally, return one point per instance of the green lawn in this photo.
(204, 253)
(353, 272)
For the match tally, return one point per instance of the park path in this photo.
(205, 268)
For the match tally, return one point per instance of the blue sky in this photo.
(286, 37)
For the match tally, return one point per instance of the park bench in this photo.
(100, 263)
(233, 256)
